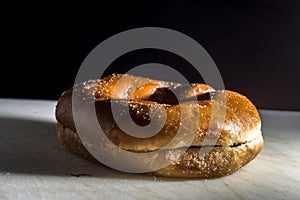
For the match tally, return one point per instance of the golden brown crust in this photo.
(220, 161)
(72, 142)
(242, 122)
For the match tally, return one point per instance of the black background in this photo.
(255, 44)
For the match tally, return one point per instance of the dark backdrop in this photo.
(255, 45)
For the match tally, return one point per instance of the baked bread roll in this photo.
(231, 143)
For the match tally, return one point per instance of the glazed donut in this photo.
(239, 140)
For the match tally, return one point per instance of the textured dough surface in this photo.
(238, 140)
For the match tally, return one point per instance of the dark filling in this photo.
(232, 146)
(166, 96)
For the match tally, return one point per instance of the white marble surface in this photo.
(33, 165)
